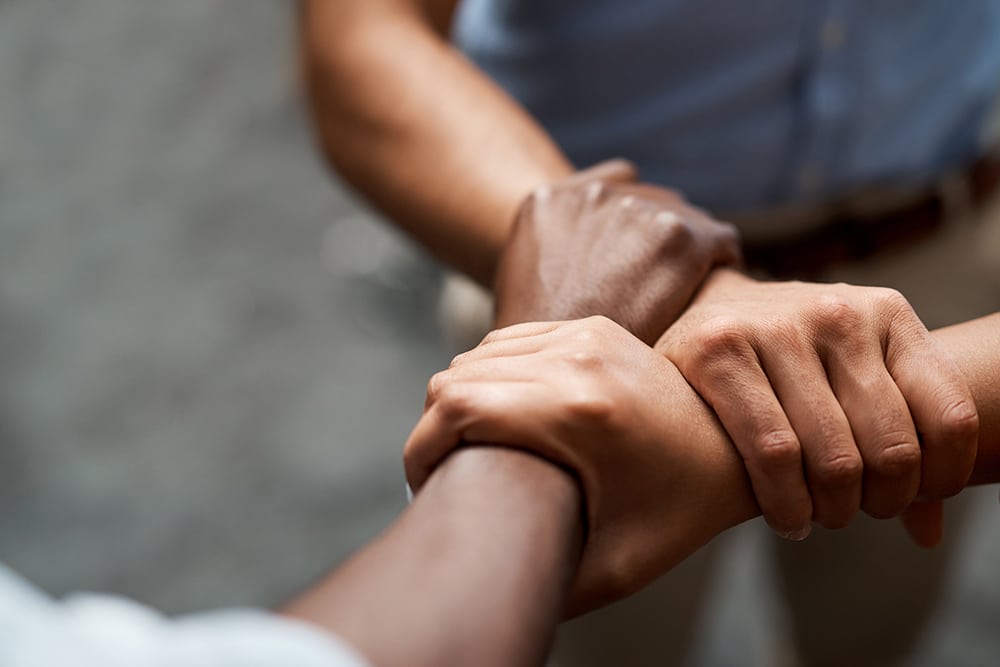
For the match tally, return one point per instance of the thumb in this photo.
(924, 521)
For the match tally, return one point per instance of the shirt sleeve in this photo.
(106, 631)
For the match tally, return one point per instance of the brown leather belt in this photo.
(849, 234)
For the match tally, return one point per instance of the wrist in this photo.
(524, 481)
(723, 283)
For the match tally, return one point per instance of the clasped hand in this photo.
(660, 478)
(600, 243)
(832, 398)
(836, 396)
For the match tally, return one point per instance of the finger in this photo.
(654, 194)
(497, 349)
(480, 412)
(617, 170)
(522, 330)
(441, 428)
(527, 367)
(523, 339)
(924, 522)
(428, 443)
(944, 413)
(734, 384)
(833, 465)
(516, 365)
(882, 426)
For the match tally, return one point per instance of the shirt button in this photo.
(833, 34)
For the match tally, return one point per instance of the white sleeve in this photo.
(104, 631)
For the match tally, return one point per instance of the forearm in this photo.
(418, 129)
(474, 572)
(975, 347)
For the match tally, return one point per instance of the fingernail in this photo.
(797, 535)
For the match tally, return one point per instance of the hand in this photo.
(824, 389)
(660, 478)
(599, 243)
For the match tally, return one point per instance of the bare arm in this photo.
(474, 572)
(660, 476)
(418, 129)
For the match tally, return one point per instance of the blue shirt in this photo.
(749, 104)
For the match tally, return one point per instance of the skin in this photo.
(659, 474)
(975, 347)
(453, 160)
(591, 397)
(473, 573)
(452, 175)
(848, 374)
(577, 247)
(836, 384)
(502, 526)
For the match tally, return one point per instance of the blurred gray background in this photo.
(210, 354)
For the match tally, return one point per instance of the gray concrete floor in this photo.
(209, 355)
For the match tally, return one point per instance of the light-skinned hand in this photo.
(660, 478)
(836, 396)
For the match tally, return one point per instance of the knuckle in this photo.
(896, 310)
(840, 471)
(837, 312)
(674, 234)
(624, 203)
(777, 449)
(584, 360)
(457, 360)
(960, 422)
(600, 323)
(958, 446)
(586, 336)
(899, 459)
(619, 575)
(720, 336)
(597, 192)
(453, 401)
(893, 300)
(435, 385)
(491, 337)
(727, 232)
(593, 408)
(591, 331)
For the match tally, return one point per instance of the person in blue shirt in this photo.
(846, 140)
